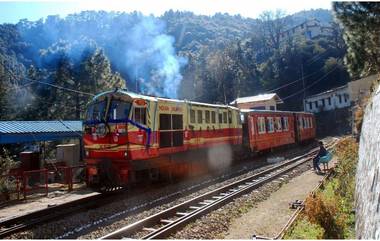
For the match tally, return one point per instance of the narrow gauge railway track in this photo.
(20, 223)
(161, 225)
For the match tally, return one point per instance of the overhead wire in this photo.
(45, 83)
(311, 85)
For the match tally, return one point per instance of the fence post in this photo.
(70, 171)
(24, 184)
(18, 188)
(46, 181)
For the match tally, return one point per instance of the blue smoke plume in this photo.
(136, 45)
(151, 59)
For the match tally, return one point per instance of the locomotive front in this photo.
(107, 140)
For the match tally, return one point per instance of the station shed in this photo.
(12, 132)
(26, 132)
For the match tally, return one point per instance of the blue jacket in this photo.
(322, 151)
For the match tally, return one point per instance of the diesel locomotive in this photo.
(130, 137)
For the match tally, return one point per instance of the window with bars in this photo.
(171, 130)
(207, 116)
(261, 125)
(278, 124)
(270, 125)
(192, 116)
(213, 117)
(139, 115)
(200, 117)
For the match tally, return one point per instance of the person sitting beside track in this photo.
(322, 152)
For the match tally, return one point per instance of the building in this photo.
(329, 100)
(340, 97)
(258, 102)
(310, 29)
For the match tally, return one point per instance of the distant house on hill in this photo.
(310, 29)
(258, 102)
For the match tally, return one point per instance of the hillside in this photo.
(180, 54)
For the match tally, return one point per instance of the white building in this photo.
(340, 97)
(258, 102)
(329, 100)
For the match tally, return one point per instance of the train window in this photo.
(139, 115)
(278, 124)
(229, 117)
(307, 122)
(270, 124)
(311, 122)
(225, 117)
(213, 117)
(261, 125)
(300, 122)
(220, 118)
(303, 122)
(119, 110)
(200, 117)
(207, 116)
(192, 116)
(286, 124)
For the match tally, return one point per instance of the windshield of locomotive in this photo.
(96, 112)
(119, 111)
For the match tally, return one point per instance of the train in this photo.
(129, 137)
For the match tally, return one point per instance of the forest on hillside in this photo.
(50, 68)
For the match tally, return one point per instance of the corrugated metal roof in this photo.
(34, 131)
(20, 127)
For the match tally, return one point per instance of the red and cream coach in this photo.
(130, 137)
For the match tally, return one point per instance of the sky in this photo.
(12, 11)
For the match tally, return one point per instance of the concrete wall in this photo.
(360, 88)
(334, 122)
(367, 190)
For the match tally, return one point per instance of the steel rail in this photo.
(22, 222)
(205, 203)
(19, 223)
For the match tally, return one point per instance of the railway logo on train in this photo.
(130, 137)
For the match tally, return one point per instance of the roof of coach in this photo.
(153, 98)
(273, 111)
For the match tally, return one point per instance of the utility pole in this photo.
(303, 88)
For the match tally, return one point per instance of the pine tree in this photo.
(361, 21)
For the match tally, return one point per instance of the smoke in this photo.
(151, 59)
(136, 45)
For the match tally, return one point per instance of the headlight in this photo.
(87, 153)
(125, 154)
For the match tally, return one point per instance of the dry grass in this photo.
(331, 208)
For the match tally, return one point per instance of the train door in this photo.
(297, 131)
(246, 130)
(171, 130)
